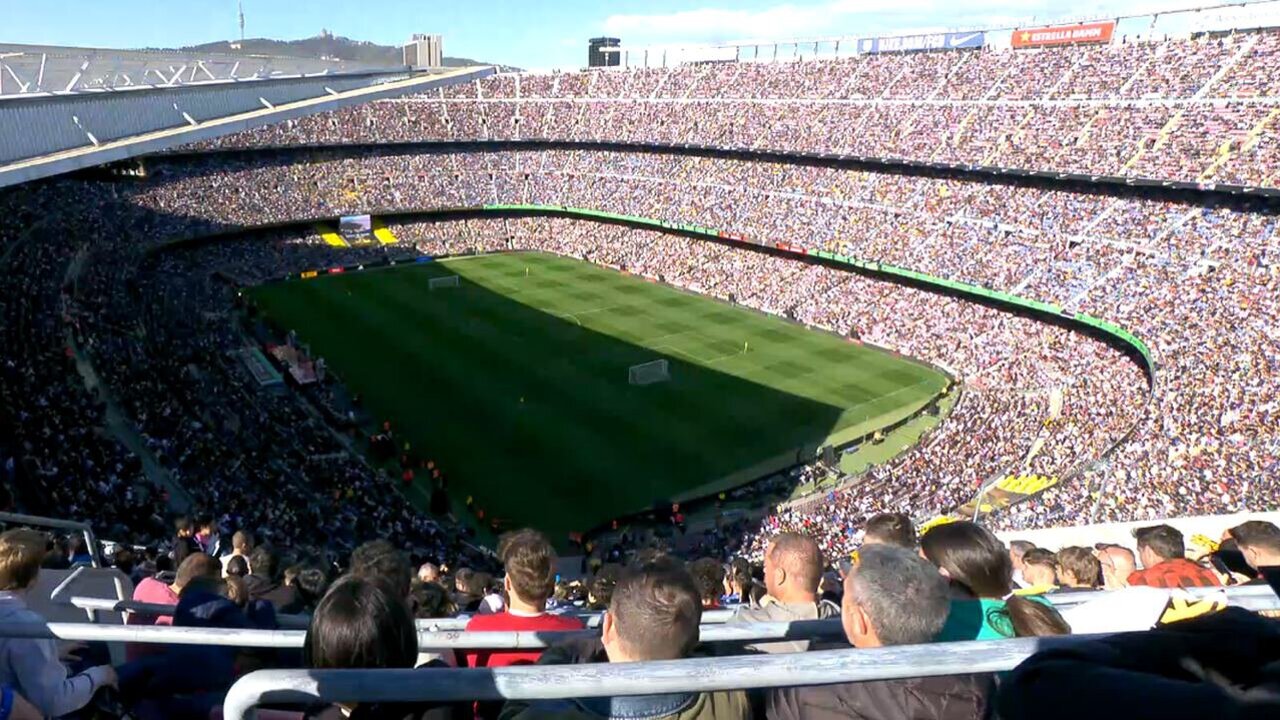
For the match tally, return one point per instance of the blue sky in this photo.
(526, 33)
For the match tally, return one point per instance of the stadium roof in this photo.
(48, 134)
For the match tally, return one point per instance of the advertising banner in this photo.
(1095, 32)
(355, 227)
(918, 43)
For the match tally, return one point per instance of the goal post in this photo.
(649, 373)
(448, 281)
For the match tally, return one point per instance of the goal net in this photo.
(648, 373)
(450, 281)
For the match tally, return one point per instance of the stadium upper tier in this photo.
(1196, 110)
(1199, 284)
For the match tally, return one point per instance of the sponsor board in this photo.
(1095, 32)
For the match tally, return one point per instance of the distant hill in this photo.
(323, 46)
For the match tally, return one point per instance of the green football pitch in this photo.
(516, 382)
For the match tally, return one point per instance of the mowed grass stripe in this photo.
(449, 367)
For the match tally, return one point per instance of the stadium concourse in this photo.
(130, 392)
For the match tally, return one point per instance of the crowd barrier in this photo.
(548, 682)
(34, 521)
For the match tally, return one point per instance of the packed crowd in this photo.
(953, 582)
(1064, 400)
(1196, 109)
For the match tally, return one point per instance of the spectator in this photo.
(1259, 541)
(1164, 562)
(792, 572)
(890, 529)
(654, 615)
(31, 667)
(379, 559)
(236, 566)
(428, 573)
(155, 591)
(184, 541)
(980, 571)
(1118, 563)
(709, 577)
(362, 623)
(1039, 570)
(1078, 569)
(892, 597)
(241, 546)
(263, 582)
(530, 564)
(1018, 549)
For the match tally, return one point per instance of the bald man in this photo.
(793, 566)
(1118, 564)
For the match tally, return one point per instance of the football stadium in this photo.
(911, 374)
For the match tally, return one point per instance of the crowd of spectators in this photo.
(950, 583)
(1170, 108)
(1187, 279)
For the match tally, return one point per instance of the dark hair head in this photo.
(1257, 534)
(530, 563)
(800, 556)
(602, 586)
(237, 566)
(890, 529)
(1163, 540)
(182, 524)
(22, 550)
(708, 575)
(656, 611)
(971, 557)
(431, 600)
(124, 560)
(265, 562)
(381, 560)
(976, 561)
(1040, 556)
(311, 584)
(236, 590)
(360, 623)
(1081, 564)
(197, 565)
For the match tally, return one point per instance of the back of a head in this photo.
(709, 576)
(265, 562)
(655, 610)
(970, 556)
(237, 566)
(530, 564)
(381, 560)
(242, 541)
(902, 595)
(22, 551)
(1039, 565)
(311, 584)
(1259, 535)
(360, 623)
(1083, 567)
(1164, 541)
(431, 600)
(197, 565)
(801, 557)
(890, 529)
(1019, 548)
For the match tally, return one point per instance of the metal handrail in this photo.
(427, 639)
(90, 541)
(300, 622)
(546, 682)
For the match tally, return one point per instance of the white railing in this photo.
(91, 543)
(546, 682)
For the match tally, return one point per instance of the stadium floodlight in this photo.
(655, 371)
(449, 281)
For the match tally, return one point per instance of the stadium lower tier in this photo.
(1197, 283)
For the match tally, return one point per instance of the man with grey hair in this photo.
(891, 597)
